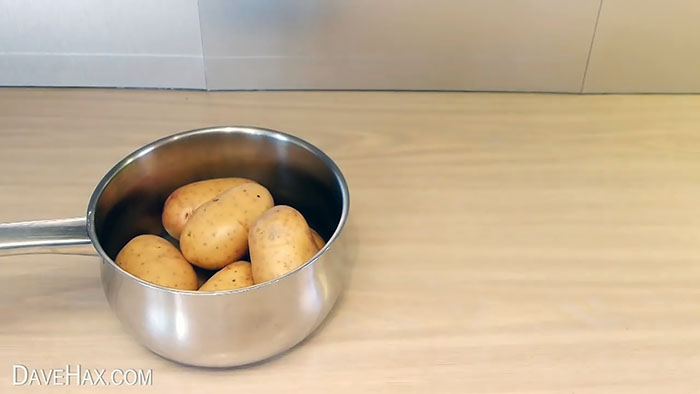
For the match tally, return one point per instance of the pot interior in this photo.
(129, 200)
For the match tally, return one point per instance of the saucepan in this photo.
(213, 329)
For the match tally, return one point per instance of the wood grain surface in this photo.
(504, 243)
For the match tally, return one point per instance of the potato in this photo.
(280, 241)
(234, 276)
(183, 201)
(156, 260)
(217, 232)
(318, 240)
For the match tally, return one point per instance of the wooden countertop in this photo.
(506, 243)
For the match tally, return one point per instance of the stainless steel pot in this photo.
(227, 328)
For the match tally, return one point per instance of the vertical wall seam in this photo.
(201, 44)
(590, 48)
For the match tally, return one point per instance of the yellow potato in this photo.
(318, 240)
(280, 241)
(233, 276)
(217, 232)
(183, 201)
(156, 260)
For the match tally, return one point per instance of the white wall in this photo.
(499, 45)
(124, 43)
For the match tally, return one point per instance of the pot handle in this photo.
(59, 236)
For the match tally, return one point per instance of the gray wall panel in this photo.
(526, 45)
(646, 46)
(129, 43)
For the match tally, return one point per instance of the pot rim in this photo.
(252, 130)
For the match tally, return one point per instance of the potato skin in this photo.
(217, 232)
(185, 200)
(318, 240)
(233, 276)
(157, 261)
(280, 241)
